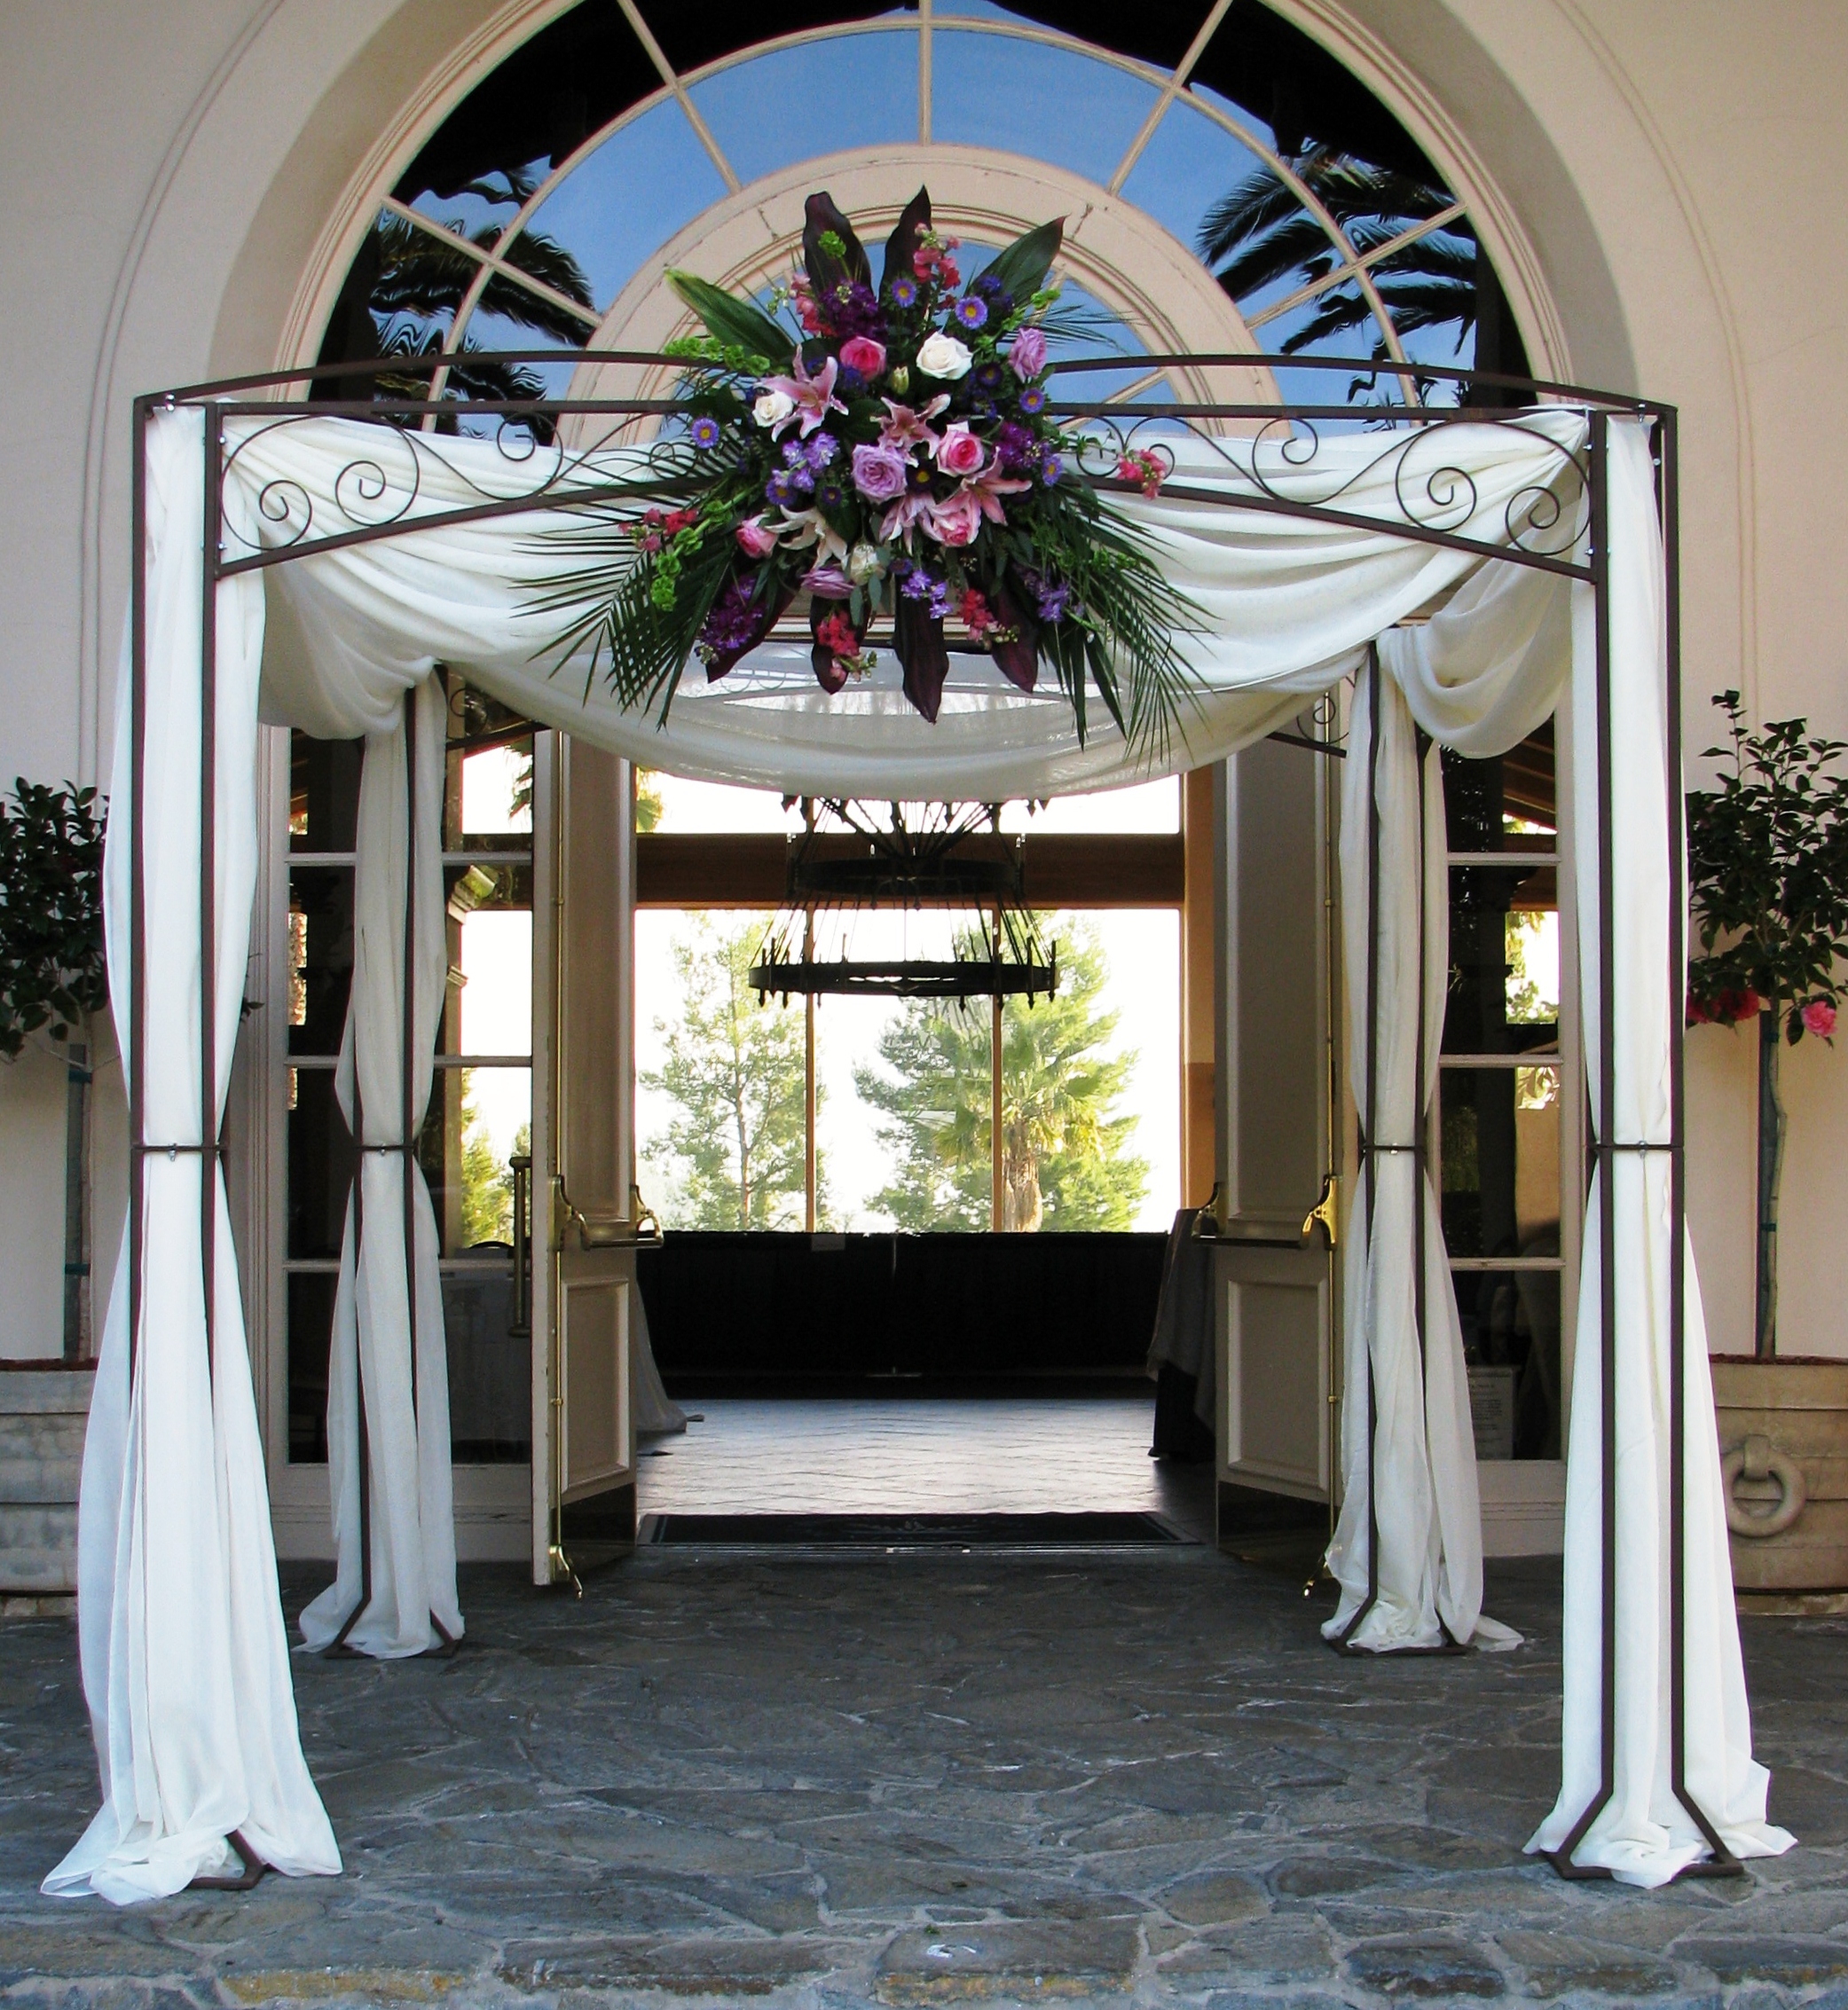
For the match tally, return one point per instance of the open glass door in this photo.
(1273, 1277)
(586, 1215)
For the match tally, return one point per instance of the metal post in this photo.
(408, 1046)
(998, 1172)
(213, 443)
(137, 878)
(76, 1234)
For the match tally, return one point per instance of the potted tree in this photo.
(1767, 854)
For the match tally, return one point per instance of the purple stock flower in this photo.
(879, 473)
(817, 451)
(852, 308)
(1052, 601)
(972, 311)
(1015, 448)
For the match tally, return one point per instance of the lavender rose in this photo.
(879, 473)
(1027, 357)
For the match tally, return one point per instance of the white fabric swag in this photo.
(332, 642)
(399, 1363)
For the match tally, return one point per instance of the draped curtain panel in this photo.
(185, 1662)
(388, 1403)
(1408, 1450)
(1643, 1834)
(177, 1589)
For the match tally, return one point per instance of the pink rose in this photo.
(956, 520)
(862, 354)
(879, 473)
(754, 538)
(1819, 1015)
(959, 451)
(1027, 357)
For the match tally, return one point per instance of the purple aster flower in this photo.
(1050, 469)
(1033, 399)
(850, 380)
(829, 493)
(999, 299)
(903, 291)
(704, 433)
(790, 487)
(989, 377)
(972, 311)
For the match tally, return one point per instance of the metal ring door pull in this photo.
(1758, 1459)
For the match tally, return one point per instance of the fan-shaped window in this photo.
(557, 187)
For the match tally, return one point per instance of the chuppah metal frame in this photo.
(528, 418)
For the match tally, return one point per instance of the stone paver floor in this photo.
(830, 1781)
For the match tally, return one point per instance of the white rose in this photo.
(863, 561)
(943, 358)
(773, 407)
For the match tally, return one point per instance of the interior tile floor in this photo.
(921, 1455)
(823, 1781)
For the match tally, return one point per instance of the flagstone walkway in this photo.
(825, 1782)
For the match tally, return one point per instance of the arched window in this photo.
(1227, 184)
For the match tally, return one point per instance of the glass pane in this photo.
(1511, 1344)
(623, 202)
(1505, 983)
(488, 794)
(489, 1370)
(482, 210)
(321, 956)
(1500, 1150)
(1508, 802)
(825, 97)
(665, 803)
(324, 793)
(478, 1119)
(320, 1165)
(1190, 163)
(310, 1328)
(1149, 806)
(1048, 103)
(510, 318)
(490, 963)
(719, 1092)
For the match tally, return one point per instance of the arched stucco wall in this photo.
(1653, 177)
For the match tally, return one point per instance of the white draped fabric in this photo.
(411, 1572)
(177, 1581)
(185, 1663)
(1405, 1384)
(1644, 1835)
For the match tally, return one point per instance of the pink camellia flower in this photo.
(756, 538)
(826, 583)
(879, 473)
(811, 397)
(959, 451)
(1027, 357)
(863, 354)
(905, 428)
(1818, 1016)
(954, 522)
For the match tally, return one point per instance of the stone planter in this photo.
(43, 1411)
(1784, 1443)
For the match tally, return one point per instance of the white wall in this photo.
(1659, 180)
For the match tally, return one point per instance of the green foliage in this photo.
(1066, 1157)
(736, 323)
(487, 1181)
(734, 1071)
(51, 968)
(1767, 860)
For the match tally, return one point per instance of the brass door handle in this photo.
(642, 1229)
(1326, 1211)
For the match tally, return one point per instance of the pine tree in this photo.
(1066, 1157)
(734, 1070)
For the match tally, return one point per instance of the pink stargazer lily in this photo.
(986, 489)
(801, 528)
(905, 428)
(913, 507)
(812, 397)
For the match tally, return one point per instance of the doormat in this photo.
(1096, 1530)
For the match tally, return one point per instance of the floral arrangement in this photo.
(893, 458)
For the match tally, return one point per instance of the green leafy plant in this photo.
(1767, 861)
(52, 968)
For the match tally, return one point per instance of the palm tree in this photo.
(1260, 235)
(418, 277)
